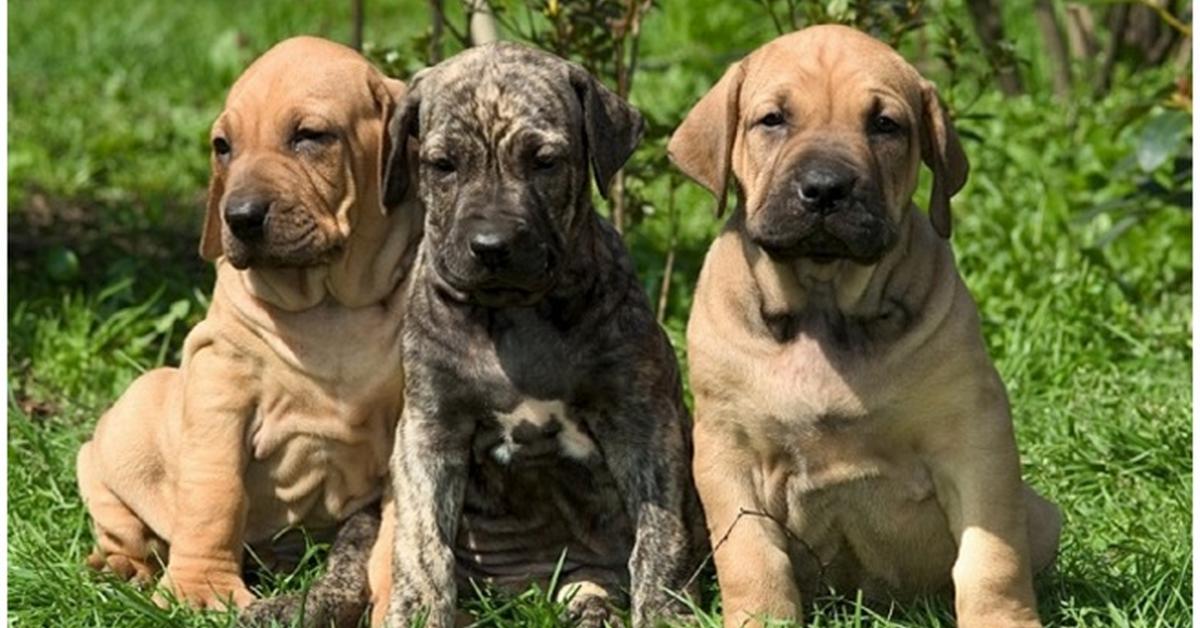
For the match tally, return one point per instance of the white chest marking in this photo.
(544, 419)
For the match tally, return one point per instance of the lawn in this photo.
(1065, 234)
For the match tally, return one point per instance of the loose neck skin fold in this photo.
(366, 271)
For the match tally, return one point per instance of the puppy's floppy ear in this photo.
(943, 153)
(210, 237)
(612, 127)
(397, 154)
(389, 94)
(702, 146)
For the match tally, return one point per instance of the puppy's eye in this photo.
(884, 125)
(221, 147)
(310, 138)
(544, 161)
(772, 120)
(442, 165)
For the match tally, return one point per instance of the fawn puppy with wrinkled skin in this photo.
(283, 410)
(543, 412)
(842, 385)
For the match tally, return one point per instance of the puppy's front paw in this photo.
(405, 611)
(283, 610)
(662, 610)
(125, 567)
(210, 590)
(589, 605)
(1008, 620)
(592, 611)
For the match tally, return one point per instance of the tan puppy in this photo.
(283, 410)
(844, 396)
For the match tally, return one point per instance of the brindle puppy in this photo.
(543, 415)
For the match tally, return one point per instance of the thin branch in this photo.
(669, 266)
(1166, 16)
(1081, 31)
(1056, 48)
(356, 36)
(989, 27)
(436, 31)
(766, 4)
(626, 32)
(458, 35)
(1118, 18)
(742, 512)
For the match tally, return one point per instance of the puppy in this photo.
(543, 419)
(283, 410)
(851, 431)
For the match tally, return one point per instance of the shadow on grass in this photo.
(155, 242)
(94, 289)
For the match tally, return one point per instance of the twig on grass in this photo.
(742, 512)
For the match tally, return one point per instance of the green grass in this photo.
(110, 104)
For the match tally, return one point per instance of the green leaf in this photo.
(62, 264)
(1161, 139)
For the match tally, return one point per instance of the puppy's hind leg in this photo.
(125, 545)
(339, 597)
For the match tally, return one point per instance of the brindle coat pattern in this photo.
(543, 404)
(340, 596)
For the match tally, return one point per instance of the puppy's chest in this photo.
(349, 353)
(538, 483)
(533, 385)
(533, 433)
(812, 387)
(818, 418)
(538, 486)
(342, 392)
(317, 457)
(324, 423)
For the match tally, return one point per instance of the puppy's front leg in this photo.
(977, 476)
(648, 457)
(205, 559)
(429, 472)
(754, 568)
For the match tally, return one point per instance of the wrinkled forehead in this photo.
(829, 65)
(337, 89)
(493, 100)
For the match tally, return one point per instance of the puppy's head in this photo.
(299, 150)
(824, 131)
(508, 136)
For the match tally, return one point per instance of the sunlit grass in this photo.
(1094, 343)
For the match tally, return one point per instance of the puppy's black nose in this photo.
(822, 187)
(491, 248)
(246, 218)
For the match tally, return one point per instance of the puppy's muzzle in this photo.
(825, 188)
(507, 250)
(493, 247)
(824, 211)
(247, 218)
(507, 261)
